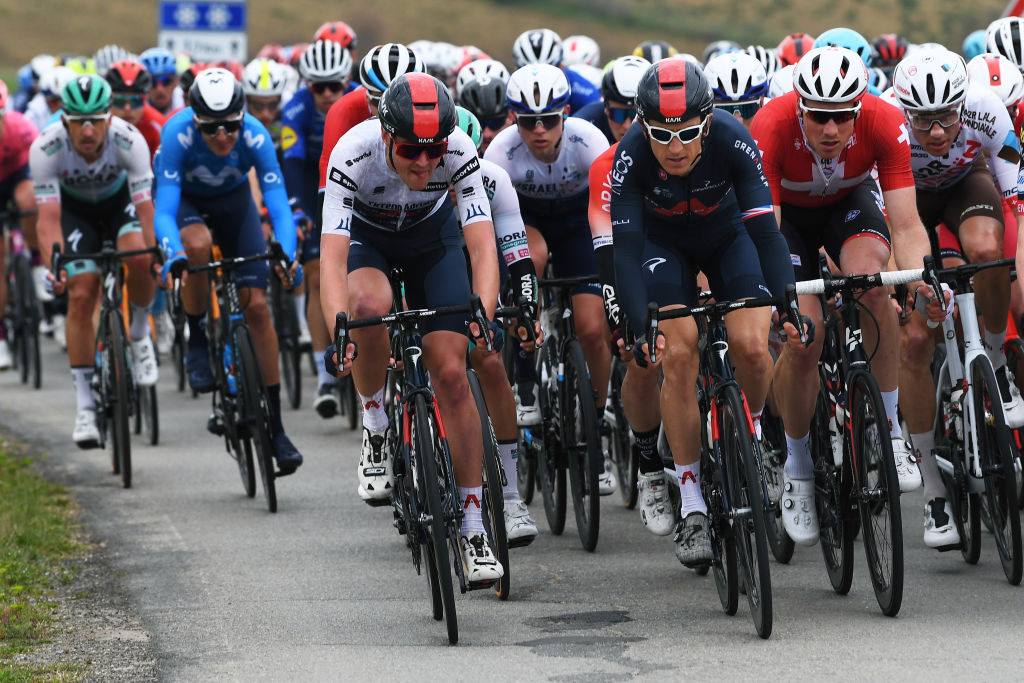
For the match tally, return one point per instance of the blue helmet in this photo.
(974, 44)
(848, 38)
(25, 77)
(159, 62)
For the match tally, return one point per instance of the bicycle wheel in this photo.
(772, 460)
(744, 490)
(878, 491)
(526, 465)
(493, 480)
(625, 457)
(286, 326)
(150, 414)
(1015, 363)
(119, 394)
(582, 441)
(831, 500)
(723, 543)
(436, 537)
(255, 410)
(996, 458)
(27, 323)
(550, 460)
(178, 352)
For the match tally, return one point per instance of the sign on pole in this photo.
(208, 31)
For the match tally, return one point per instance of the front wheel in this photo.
(493, 497)
(255, 411)
(119, 394)
(832, 500)
(550, 460)
(582, 440)
(623, 454)
(773, 457)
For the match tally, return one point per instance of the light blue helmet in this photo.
(159, 62)
(848, 38)
(974, 44)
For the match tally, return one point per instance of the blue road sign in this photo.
(202, 16)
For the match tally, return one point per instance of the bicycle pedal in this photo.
(948, 548)
(480, 585)
(215, 426)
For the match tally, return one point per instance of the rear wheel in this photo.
(27, 322)
(773, 457)
(120, 397)
(723, 543)
(582, 440)
(832, 501)
(150, 414)
(625, 457)
(255, 411)
(286, 325)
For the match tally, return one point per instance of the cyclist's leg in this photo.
(314, 315)
(25, 200)
(528, 405)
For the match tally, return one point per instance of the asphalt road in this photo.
(324, 588)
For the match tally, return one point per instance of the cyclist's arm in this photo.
(599, 213)
(628, 230)
(134, 156)
(474, 210)
(892, 145)
(333, 276)
(43, 164)
(510, 231)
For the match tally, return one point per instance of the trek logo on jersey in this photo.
(852, 214)
(288, 137)
(337, 176)
(467, 169)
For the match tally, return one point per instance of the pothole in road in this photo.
(579, 621)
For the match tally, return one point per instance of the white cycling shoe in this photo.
(519, 525)
(478, 559)
(656, 509)
(906, 465)
(144, 362)
(799, 516)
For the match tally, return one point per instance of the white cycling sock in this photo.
(798, 458)
(322, 376)
(82, 378)
(689, 488)
(891, 399)
(300, 306)
(994, 348)
(509, 452)
(923, 444)
(472, 520)
(756, 417)
(374, 417)
(139, 326)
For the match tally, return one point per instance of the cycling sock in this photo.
(798, 460)
(647, 444)
(139, 326)
(923, 444)
(82, 378)
(300, 305)
(322, 376)
(274, 398)
(891, 399)
(374, 417)
(756, 417)
(472, 520)
(509, 452)
(197, 331)
(993, 343)
(159, 301)
(689, 488)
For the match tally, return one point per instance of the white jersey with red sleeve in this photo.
(800, 177)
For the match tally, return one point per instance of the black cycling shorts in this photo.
(974, 195)
(570, 244)
(85, 225)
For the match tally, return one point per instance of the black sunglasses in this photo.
(620, 116)
(127, 101)
(211, 128)
(530, 121)
(746, 110)
(163, 80)
(494, 124)
(323, 86)
(823, 116)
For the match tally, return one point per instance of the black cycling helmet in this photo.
(485, 98)
(674, 90)
(217, 94)
(417, 107)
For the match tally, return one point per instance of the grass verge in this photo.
(38, 538)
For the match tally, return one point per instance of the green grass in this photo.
(51, 674)
(38, 539)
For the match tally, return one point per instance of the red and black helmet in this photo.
(674, 90)
(129, 75)
(188, 76)
(890, 48)
(417, 107)
(793, 47)
(337, 31)
(234, 66)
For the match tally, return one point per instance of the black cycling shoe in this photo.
(286, 454)
(200, 376)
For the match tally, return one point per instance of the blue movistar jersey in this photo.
(185, 165)
(583, 89)
(302, 138)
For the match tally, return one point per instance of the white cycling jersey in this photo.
(56, 166)
(360, 183)
(986, 128)
(509, 229)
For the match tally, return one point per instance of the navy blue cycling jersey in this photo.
(582, 90)
(594, 113)
(724, 193)
(302, 138)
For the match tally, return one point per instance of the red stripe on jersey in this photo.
(425, 120)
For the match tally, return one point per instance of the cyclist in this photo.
(548, 157)
(739, 84)
(338, 32)
(16, 136)
(890, 49)
(793, 47)
(544, 46)
(129, 81)
(581, 49)
(654, 50)
(820, 145)
(688, 194)
(386, 203)
(956, 128)
(718, 47)
(615, 113)
(484, 97)
(164, 94)
(263, 83)
(92, 181)
(205, 155)
(768, 58)
(974, 44)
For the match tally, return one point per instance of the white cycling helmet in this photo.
(53, 81)
(1000, 74)
(478, 70)
(325, 60)
(538, 46)
(622, 78)
(1006, 37)
(768, 58)
(831, 74)
(384, 63)
(107, 55)
(40, 64)
(580, 50)
(537, 89)
(781, 81)
(264, 78)
(930, 80)
(736, 77)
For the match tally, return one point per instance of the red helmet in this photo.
(232, 65)
(338, 31)
(272, 51)
(891, 49)
(470, 53)
(418, 108)
(188, 76)
(298, 49)
(128, 75)
(3, 95)
(793, 47)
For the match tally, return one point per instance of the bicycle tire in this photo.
(178, 358)
(136, 398)
(27, 322)
(1015, 363)
(255, 410)
(878, 488)
(150, 414)
(582, 438)
(286, 326)
(831, 500)
(996, 459)
(723, 545)
(526, 465)
(436, 532)
(621, 450)
(550, 460)
(493, 494)
(779, 542)
(120, 395)
(242, 453)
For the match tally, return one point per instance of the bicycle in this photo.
(179, 346)
(285, 315)
(972, 442)
(144, 402)
(241, 409)
(24, 311)
(425, 496)
(622, 451)
(113, 383)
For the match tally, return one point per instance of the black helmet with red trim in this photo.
(128, 75)
(417, 107)
(674, 90)
(890, 48)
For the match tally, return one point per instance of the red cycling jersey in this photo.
(799, 177)
(344, 114)
(17, 138)
(149, 125)
(600, 211)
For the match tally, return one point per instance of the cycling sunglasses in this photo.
(947, 118)
(494, 124)
(323, 86)
(409, 150)
(665, 135)
(127, 101)
(262, 106)
(164, 80)
(620, 116)
(211, 128)
(823, 116)
(91, 120)
(530, 121)
(746, 110)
